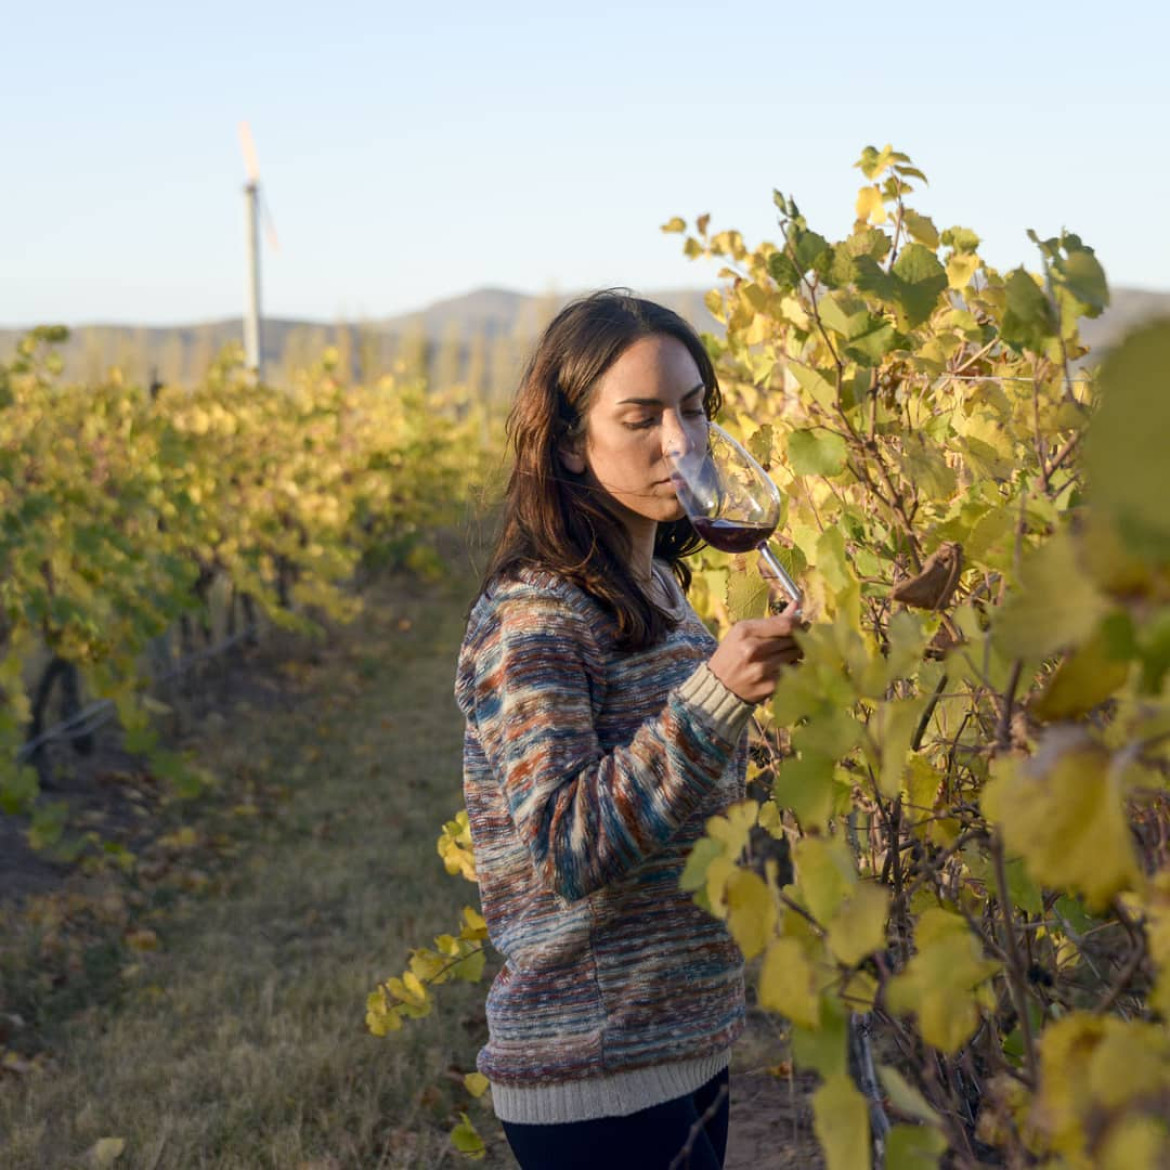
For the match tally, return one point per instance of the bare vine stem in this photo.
(1016, 975)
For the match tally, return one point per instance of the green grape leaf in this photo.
(815, 384)
(841, 1123)
(1085, 679)
(465, 1138)
(824, 1049)
(816, 453)
(806, 786)
(905, 1097)
(1056, 605)
(921, 281)
(825, 875)
(1029, 320)
(914, 1147)
(1129, 473)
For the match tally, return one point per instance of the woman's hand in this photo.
(749, 659)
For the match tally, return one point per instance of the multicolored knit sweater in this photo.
(588, 775)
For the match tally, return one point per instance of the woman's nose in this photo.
(677, 440)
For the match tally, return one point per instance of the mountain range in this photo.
(498, 323)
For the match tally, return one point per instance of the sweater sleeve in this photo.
(588, 816)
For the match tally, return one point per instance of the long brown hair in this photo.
(553, 519)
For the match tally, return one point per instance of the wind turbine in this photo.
(252, 332)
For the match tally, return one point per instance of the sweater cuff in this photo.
(722, 710)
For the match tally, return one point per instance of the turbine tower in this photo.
(253, 336)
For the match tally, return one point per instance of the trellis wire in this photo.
(101, 711)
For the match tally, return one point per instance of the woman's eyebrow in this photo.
(658, 401)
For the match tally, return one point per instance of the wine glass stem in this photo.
(778, 575)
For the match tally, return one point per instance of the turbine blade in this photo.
(249, 149)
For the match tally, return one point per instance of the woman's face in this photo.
(648, 401)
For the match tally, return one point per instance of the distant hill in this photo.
(482, 334)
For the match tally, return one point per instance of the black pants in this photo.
(648, 1140)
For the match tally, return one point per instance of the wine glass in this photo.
(732, 503)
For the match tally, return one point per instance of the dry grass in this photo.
(240, 1042)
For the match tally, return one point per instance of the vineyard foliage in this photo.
(121, 509)
(969, 769)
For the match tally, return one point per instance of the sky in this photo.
(410, 153)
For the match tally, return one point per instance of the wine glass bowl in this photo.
(730, 500)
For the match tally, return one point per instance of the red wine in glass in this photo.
(731, 502)
(732, 536)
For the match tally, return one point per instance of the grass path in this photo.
(242, 1042)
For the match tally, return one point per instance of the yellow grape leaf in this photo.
(859, 992)
(720, 871)
(474, 925)
(825, 874)
(788, 983)
(914, 1147)
(410, 991)
(751, 911)
(455, 847)
(1096, 1066)
(960, 268)
(381, 1018)
(1135, 1143)
(747, 595)
(1063, 812)
(1130, 1064)
(841, 1123)
(733, 830)
(920, 784)
(465, 1138)
(476, 1084)
(921, 228)
(676, 223)
(859, 926)
(1084, 679)
(905, 1097)
(771, 820)
(1158, 941)
(942, 983)
(105, 1152)
(426, 965)
(760, 445)
(1056, 604)
(870, 205)
(757, 332)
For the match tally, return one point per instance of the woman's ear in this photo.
(571, 458)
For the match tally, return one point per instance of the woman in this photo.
(604, 726)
